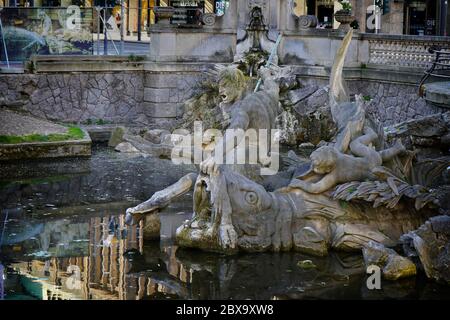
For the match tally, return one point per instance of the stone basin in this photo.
(438, 93)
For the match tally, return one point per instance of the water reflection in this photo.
(62, 250)
(43, 186)
(98, 257)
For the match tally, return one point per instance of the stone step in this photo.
(438, 93)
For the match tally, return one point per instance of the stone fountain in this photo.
(353, 194)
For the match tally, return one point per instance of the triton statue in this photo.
(346, 200)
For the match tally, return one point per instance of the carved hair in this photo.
(233, 77)
(325, 157)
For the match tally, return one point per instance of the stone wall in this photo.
(390, 102)
(114, 97)
(393, 103)
(154, 98)
(167, 87)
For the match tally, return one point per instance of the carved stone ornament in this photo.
(209, 19)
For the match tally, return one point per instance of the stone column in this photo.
(179, 58)
(359, 11)
(392, 22)
(287, 21)
(229, 21)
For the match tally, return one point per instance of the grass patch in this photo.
(134, 58)
(73, 133)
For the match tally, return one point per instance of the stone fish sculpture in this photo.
(282, 221)
(234, 213)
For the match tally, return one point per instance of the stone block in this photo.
(161, 80)
(160, 110)
(116, 136)
(156, 95)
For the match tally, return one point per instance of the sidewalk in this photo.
(130, 47)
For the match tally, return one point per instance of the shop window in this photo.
(51, 3)
(422, 17)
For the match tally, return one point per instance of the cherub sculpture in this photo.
(337, 167)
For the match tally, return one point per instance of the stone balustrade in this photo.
(403, 51)
(317, 47)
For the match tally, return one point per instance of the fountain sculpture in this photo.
(352, 195)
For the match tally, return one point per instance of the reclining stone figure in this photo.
(337, 167)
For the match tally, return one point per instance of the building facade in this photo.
(411, 17)
(414, 17)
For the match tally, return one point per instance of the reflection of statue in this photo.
(221, 277)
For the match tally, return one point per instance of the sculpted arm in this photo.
(240, 120)
(326, 183)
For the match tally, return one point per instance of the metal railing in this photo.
(440, 67)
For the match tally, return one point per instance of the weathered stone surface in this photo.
(126, 147)
(298, 95)
(392, 264)
(17, 124)
(426, 127)
(428, 137)
(146, 147)
(37, 150)
(382, 104)
(113, 97)
(431, 245)
(161, 80)
(118, 97)
(313, 116)
(160, 110)
(116, 136)
(155, 135)
(152, 227)
(438, 93)
(157, 95)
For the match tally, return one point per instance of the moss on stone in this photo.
(73, 133)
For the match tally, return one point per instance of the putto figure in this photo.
(337, 167)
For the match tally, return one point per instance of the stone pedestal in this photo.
(344, 18)
(211, 43)
(191, 45)
(179, 58)
(438, 93)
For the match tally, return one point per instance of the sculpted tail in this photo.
(338, 92)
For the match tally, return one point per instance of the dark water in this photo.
(63, 237)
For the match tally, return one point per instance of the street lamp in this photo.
(105, 36)
(122, 15)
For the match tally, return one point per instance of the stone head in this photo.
(324, 160)
(232, 84)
